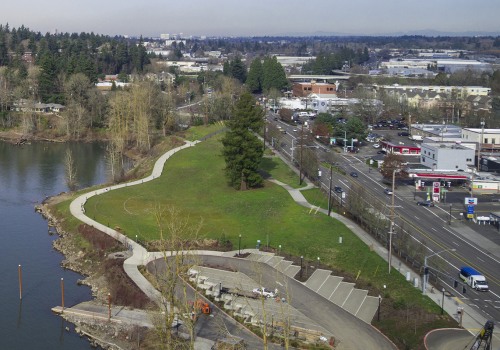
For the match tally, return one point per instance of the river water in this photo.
(27, 175)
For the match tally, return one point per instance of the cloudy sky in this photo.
(253, 17)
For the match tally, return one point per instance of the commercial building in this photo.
(305, 89)
(448, 131)
(400, 148)
(489, 139)
(447, 156)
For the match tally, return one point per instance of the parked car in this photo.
(403, 133)
(426, 203)
(265, 292)
(381, 152)
(376, 145)
(388, 191)
(354, 174)
(338, 189)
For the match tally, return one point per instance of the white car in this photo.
(376, 145)
(265, 292)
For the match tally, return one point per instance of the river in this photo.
(28, 174)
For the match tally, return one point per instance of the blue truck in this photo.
(473, 279)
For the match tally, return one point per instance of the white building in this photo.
(460, 91)
(483, 136)
(446, 156)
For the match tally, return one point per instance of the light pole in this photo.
(480, 146)
(426, 269)
(442, 303)
(239, 245)
(449, 222)
(378, 310)
(317, 266)
(330, 192)
(265, 121)
(301, 259)
(389, 258)
(301, 147)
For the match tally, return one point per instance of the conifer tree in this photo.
(242, 150)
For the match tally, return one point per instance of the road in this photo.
(429, 226)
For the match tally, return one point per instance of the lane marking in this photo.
(471, 245)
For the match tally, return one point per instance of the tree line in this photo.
(61, 55)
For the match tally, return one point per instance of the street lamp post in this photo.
(442, 303)
(317, 266)
(426, 271)
(239, 245)
(480, 145)
(449, 222)
(301, 259)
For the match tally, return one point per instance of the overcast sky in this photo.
(252, 17)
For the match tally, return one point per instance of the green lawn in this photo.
(198, 132)
(280, 171)
(193, 182)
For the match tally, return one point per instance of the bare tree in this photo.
(178, 301)
(70, 170)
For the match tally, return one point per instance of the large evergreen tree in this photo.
(273, 75)
(254, 77)
(242, 150)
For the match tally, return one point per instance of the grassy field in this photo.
(280, 171)
(193, 182)
(198, 132)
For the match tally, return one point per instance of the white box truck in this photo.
(473, 279)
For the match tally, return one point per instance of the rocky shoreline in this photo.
(100, 334)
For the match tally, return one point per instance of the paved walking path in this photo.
(472, 320)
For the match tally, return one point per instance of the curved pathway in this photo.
(139, 254)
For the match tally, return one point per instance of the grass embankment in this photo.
(193, 182)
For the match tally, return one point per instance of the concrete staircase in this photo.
(344, 294)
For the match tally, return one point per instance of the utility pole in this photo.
(301, 147)
(265, 123)
(330, 192)
(392, 220)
